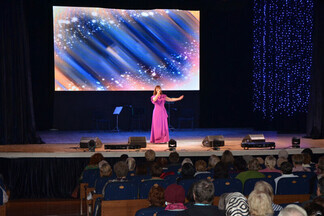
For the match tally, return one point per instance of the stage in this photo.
(65, 144)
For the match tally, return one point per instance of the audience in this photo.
(297, 160)
(4, 192)
(121, 171)
(156, 172)
(156, 200)
(105, 173)
(201, 167)
(286, 169)
(293, 210)
(320, 168)
(123, 157)
(150, 158)
(141, 170)
(260, 204)
(203, 193)
(253, 167)
(174, 196)
(228, 160)
(270, 163)
(265, 187)
(236, 204)
(174, 159)
(163, 162)
(212, 161)
(314, 209)
(131, 163)
(282, 157)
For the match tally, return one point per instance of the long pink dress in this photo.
(159, 129)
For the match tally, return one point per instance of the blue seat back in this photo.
(293, 186)
(90, 176)
(227, 186)
(186, 183)
(100, 183)
(174, 168)
(249, 184)
(149, 211)
(168, 213)
(271, 175)
(120, 191)
(305, 175)
(145, 187)
(139, 178)
(208, 176)
(171, 179)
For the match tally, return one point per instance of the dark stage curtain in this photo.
(315, 118)
(17, 125)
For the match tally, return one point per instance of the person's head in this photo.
(186, 160)
(175, 193)
(187, 170)
(131, 163)
(156, 89)
(309, 152)
(248, 158)
(200, 165)
(261, 161)
(297, 159)
(320, 187)
(307, 158)
(121, 169)
(240, 164)
(105, 169)
(319, 200)
(293, 210)
(156, 170)
(260, 204)
(286, 168)
(162, 161)
(174, 157)
(96, 158)
(280, 161)
(270, 162)
(254, 165)
(283, 154)
(123, 157)
(203, 192)
(314, 209)
(264, 187)
(227, 157)
(141, 169)
(236, 204)
(212, 161)
(220, 171)
(156, 196)
(150, 155)
(320, 165)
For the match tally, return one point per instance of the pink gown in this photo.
(159, 129)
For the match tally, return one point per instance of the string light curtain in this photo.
(282, 56)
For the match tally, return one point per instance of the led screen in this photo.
(98, 49)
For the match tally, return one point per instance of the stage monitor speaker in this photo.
(253, 138)
(137, 141)
(213, 141)
(295, 142)
(84, 142)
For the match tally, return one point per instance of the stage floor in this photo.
(189, 143)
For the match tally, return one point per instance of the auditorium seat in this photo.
(271, 175)
(227, 186)
(88, 180)
(120, 191)
(145, 187)
(293, 186)
(305, 175)
(186, 183)
(171, 179)
(208, 176)
(149, 211)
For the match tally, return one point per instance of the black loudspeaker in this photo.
(253, 138)
(141, 141)
(172, 144)
(213, 141)
(295, 142)
(84, 142)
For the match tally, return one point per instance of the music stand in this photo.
(117, 111)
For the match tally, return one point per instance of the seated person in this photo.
(131, 163)
(156, 200)
(267, 188)
(174, 197)
(270, 163)
(156, 172)
(293, 210)
(240, 165)
(201, 167)
(220, 171)
(260, 204)
(286, 169)
(105, 173)
(121, 171)
(212, 161)
(174, 161)
(298, 160)
(203, 193)
(187, 172)
(253, 167)
(236, 204)
(4, 192)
